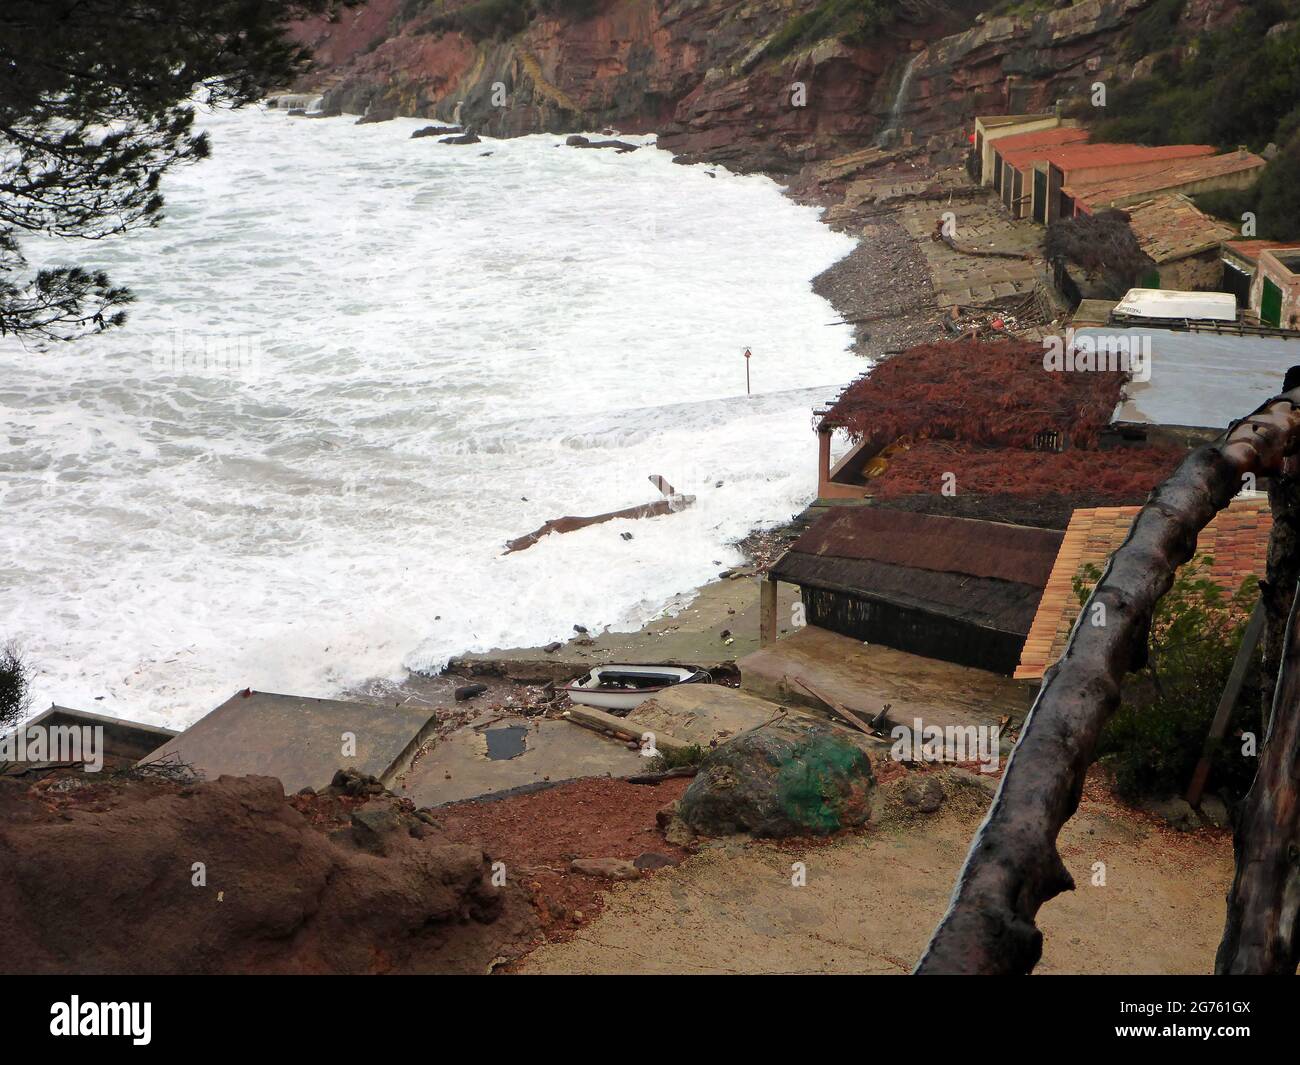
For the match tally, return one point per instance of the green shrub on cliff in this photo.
(1274, 200)
(1155, 738)
(485, 19)
(852, 21)
(1236, 85)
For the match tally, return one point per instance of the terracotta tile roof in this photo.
(1087, 156)
(1250, 249)
(1103, 193)
(1237, 540)
(1021, 148)
(1171, 227)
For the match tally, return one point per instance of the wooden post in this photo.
(766, 611)
(1249, 641)
(823, 461)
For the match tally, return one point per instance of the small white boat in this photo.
(621, 687)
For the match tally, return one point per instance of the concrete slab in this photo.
(865, 677)
(702, 713)
(299, 740)
(459, 766)
(690, 636)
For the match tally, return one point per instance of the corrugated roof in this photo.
(1170, 227)
(1199, 379)
(932, 542)
(1102, 193)
(1237, 540)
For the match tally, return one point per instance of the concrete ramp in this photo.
(300, 741)
(502, 753)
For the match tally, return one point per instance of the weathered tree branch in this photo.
(1262, 932)
(1013, 866)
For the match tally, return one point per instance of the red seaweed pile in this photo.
(993, 394)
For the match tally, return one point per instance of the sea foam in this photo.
(358, 364)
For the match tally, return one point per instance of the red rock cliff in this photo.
(712, 77)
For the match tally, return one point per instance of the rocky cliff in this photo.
(755, 84)
(1018, 64)
(701, 73)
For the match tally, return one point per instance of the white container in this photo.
(1167, 303)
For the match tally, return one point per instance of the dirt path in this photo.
(871, 901)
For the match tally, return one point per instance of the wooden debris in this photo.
(669, 505)
(837, 707)
(625, 728)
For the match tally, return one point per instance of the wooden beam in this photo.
(625, 728)
(837, 707)
(767, 608)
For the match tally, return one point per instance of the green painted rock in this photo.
(780, 780)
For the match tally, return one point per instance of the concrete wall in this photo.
(1202, 272)
(1271, 267)
(986, 136)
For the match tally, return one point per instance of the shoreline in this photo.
(882, 250)
(902, 312)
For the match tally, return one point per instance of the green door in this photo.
(1270, 305)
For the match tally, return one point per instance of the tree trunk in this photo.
(1013, 866)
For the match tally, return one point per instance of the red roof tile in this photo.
(1101, 193)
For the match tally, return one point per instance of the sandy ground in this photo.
(871, 901)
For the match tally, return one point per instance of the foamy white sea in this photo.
(357, 365)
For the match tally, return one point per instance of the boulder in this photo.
(435, 131)
(925, 794)
(372, 824)
(576, 140)
(384, 114)
(469, 691)
(466, 138)
(1176, 812)
(781, 780)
